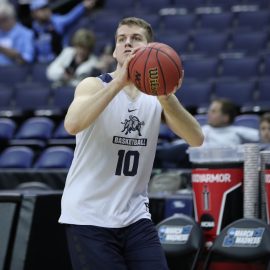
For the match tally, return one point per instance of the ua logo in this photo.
(132, 124)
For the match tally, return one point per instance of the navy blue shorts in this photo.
(135, 247)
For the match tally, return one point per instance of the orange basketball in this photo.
(155, 69)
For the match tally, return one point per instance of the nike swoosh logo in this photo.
(132, 110)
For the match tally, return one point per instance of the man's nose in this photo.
(128, 42)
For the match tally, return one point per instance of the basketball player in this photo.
(105, 203)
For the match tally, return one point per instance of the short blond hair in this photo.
(130, 21)
(84, 38)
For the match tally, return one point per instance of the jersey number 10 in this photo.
(127, 163)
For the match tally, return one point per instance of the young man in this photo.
(105, 201)
(265, 128)
(16, 41)
(220, 130)
(50, 29)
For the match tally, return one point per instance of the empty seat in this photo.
(55, 157)
(62, 97)
(182, 241)
(245, 240)
(216, 21)
(264, 94)
(240, 92)
(34, 132)
(201, 69)
(6, 98)
(165, 134)
(7, 128)
(183, 23)
(249, 42)
(247, 120)
(225, 5)
(119, 5)
(32, 98)
(256, 20)
(172, 155)
(36, 128)
(33, 186)
(178, 42)
(195, 94)
(14, 73)
(61, 137)
(211, 43)
(20, 157)
(154, 5)
(244, 67)
(189, 4)
(38, 73)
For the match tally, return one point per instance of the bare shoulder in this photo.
(88, 86)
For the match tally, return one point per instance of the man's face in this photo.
(128, 38)
(265, 132)
(215, 116)
(6, 23)
(42, 15)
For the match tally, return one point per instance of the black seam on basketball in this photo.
(137, 57)
(145, 65)
(170, 59)
(164, 81)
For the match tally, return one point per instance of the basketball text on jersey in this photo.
(129, 141)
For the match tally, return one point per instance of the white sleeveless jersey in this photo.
(107, 182)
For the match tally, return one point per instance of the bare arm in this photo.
(181, 121)
(12, 54)
(91, 98)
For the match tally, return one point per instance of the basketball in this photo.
(155, 69)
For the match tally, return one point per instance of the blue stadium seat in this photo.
(119, 5)
(253, 20)
(190, 5)
(6, 97)
(249, 42)
(62, 97)
(36, 128)
(240, 92)
(7, 128)
(20, 157)
(225, 5)
(263, 100)
(266, 69)
(38, 73)
(244, 67)
(179, 42)
(14, 73)
(165, 134)
(195, 94)
(211, 43)
(172, 155)
(32, 97)
(34, 132)
(184, 23)
(61, 137)
(201, 68)
(247, 120)
(55, 157)
(216, 21)
(154, 5)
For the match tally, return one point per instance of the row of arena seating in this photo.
(197, 67)
(227, 28)
(194, 94)
(189, 5)
(40, 142)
